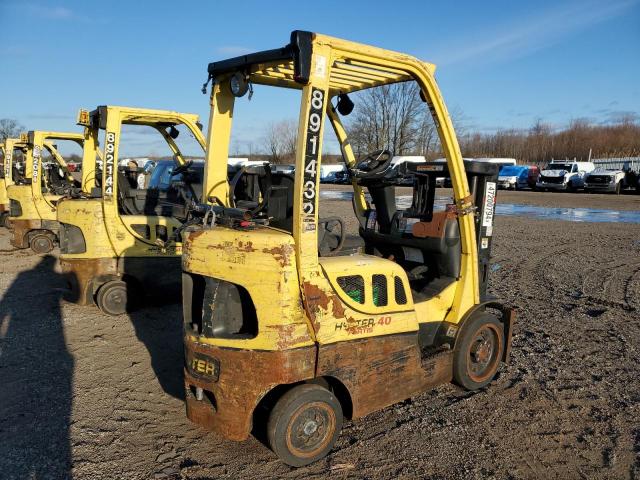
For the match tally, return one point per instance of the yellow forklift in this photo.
(38, 185)
(9, 150)
(285, 336)
(119, 241)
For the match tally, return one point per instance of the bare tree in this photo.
(280, 141)
(390, 117)
(9, 128)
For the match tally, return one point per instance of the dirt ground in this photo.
(87, 396)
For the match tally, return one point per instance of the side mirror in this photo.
(173, 132)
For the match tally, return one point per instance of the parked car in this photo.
(162, 177)
(328, 173)
(517, 177)
(564, 175)
(605, 181)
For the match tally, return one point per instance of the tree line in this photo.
(394, 117)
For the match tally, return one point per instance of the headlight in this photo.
(238, 84)
(15, 209)
(71, 239)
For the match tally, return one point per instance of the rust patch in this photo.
(282, 254)
(284, 333)
(246, 246)
(315, 296)
(244, 377)
(20, 228)
(380, 371)
(80, 274)
(338, 309)
(195, 234)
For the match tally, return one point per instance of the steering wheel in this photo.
(374, 165)
(182, 168)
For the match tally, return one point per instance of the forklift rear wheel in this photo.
(42, 242)
(304, 424)
(112, 297)
(3, 219)
(478, 352)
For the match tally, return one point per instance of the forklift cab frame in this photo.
(6, 174)
(34, 197)
(116, 241)
(291, 348)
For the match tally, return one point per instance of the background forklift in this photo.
(117, 241)
(11, 149)
(284, 341)
(37, 189)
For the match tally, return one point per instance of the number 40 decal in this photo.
(311, 153)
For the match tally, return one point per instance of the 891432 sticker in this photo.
(311, 172)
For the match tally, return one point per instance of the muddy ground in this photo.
(87, 396)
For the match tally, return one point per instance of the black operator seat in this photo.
(426, 243)
(131, 201)
(264, 193)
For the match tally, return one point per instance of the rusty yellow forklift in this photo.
(4, 200)
(9, 150)
(38, 188)
(286, 336)
(119, 241)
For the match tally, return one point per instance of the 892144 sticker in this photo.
(109, 162)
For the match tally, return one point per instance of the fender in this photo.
(448, 333)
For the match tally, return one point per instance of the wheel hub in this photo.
(310, 427)
(482, 352)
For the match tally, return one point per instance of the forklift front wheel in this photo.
(478, 352)
(3, 219)
(304, 424)
(112, 297)
(42, 242)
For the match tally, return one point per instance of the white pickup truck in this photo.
(564, 175)
(606, 181)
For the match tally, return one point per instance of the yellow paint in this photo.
(108, 233)
(305, 293)
(36, 205)
(6, 166)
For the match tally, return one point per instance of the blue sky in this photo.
(504, 64)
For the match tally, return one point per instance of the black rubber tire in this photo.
(112, 298)
(3, 219)
(467, 356)
(42, 242)
(288, 413)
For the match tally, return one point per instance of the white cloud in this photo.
(233, 50)
(53, 12)
(532, 33)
